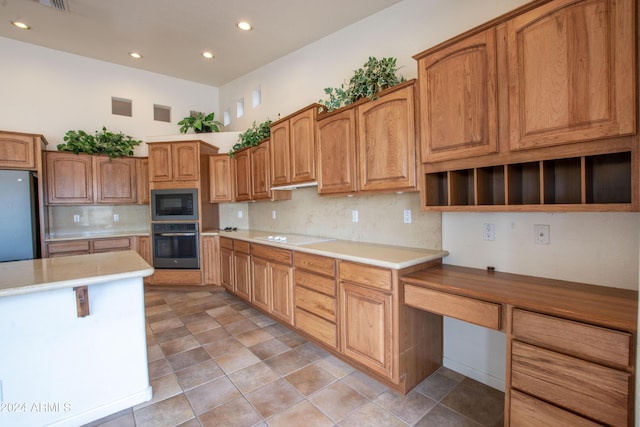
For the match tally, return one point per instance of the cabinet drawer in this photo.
(528, 411)
(317, 283)
(106, 245)
(366, 275)
(316, 303)
(242, 246)
(593, 390)
(470, 310)
(68, 246)
(591, 342)
(280, 256)
(226, 243)
(316, 263)
(317, 327)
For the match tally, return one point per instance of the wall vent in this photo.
(55, 4)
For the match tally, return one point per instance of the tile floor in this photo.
(215, 361)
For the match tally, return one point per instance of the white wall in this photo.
(595, 248)
(49, 92)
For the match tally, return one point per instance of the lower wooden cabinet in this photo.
(273, 281)
(227, 275)
(143, 247)
(86, 246)
(210, 263)
(242, 269)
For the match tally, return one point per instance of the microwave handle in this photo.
(176, 234)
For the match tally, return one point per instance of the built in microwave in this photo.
(174, 205)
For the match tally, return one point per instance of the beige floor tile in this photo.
(212, 395)
(364, 384)
(179, 345)
(288, 362)
(199, 374)
(441, 416)
(312, 351)
(188, 358)
(476, 401)
(409, 408)
(172, 334)
(437, 385)
(159, 368)
(300, 414)
(154, 352)
(231, 362)
(253, 377)
(203, 325)
(225, 310)
(239, 326)
(237, 412)
(337, 401)
(164, 324)
(292, 339)
(223, 346)
(310, 379)
(269, 348)
(371, 415)
(254, 337)
(273, 398)
(168, 412)
(153, 310)
(335, 366)
(163, 388)
(211, 335)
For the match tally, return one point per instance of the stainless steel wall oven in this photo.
(175, 245)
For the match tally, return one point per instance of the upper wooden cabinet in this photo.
(292, 153)
(73, 179)
(142, 170)
(174, 161)
(571, 72)
(221, 178)
(458, 90)
(20, 150)
(253, 175)
(242, 160)
(381, 132)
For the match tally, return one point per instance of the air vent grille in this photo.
(55, 4)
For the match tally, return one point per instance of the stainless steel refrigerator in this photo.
(19, 226)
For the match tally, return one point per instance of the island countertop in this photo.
(23, 277)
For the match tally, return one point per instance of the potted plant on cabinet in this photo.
(104, 142)
(252, 136)
(200, 123)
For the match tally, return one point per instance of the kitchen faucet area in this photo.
(378, 212)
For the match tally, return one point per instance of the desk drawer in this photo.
(317, 327)
(598, 392)
(591, 342)
(529, 411)
(376, 277)
(316, 303)
(470, 310)
(316, 263)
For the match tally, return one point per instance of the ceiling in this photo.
(172, 34)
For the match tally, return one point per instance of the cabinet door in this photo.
(69, 178)
(366, 326)
(186, 161)
(242, 160)
(302, 146)
(142, 172)
(143, 247)
(227, 268)
(261, 296)
(458, 100)
(242, 272)
(221, 179)
(17, 151)
(571, 72)
(115, 180)
(160, 159)
(336, 153)
(260, 175)
(386, 142)
(282, 292)
(280, 154)
(210, 260)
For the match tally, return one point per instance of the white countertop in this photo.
(96, 235)
(386, 256)
(22, 277)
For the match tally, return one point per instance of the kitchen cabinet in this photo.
(210, 250)
(242, 160)
(20, 150)
(142, 171)
(227, 270)
(370, 145)
(143, 247)
(459, 102)
(87, 246)
(292, 154)
(253, 177)
(242, 269)
(74, 179)
(174, 161)
(563, 86)
(315, 297)
(222, 178)
(272, 281)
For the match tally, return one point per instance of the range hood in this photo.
(295, 186)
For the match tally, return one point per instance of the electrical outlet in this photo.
(273, 214)
(489, 232)
(354, 216)
(239, 214)
(542, 234)
(76, 218)
(407, 216)
(116, 217)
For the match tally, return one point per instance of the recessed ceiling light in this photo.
(244, 26)
(20, 25)
(207, 54)
(135, 55)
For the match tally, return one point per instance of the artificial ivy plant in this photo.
(252, 136)
(374, 76)
(200, 123)
(101, 142)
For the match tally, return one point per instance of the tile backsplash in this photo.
(97, 219)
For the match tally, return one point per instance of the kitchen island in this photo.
(73, 338)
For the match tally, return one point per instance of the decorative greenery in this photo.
(105, 142)
(252, 136)
(199, 123)
(374, 76)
